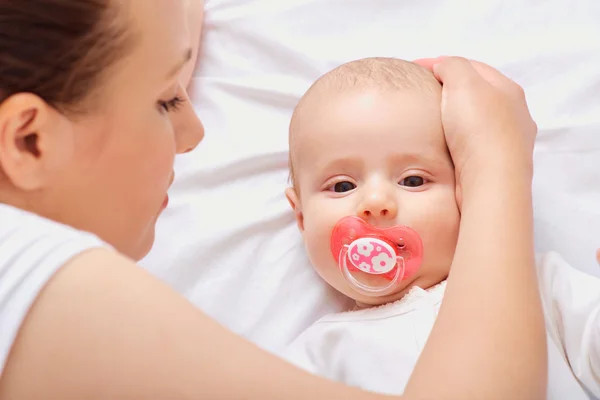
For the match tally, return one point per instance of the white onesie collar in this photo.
(411, 301)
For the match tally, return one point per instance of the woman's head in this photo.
(92, 112)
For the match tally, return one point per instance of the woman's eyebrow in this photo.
(185, 59)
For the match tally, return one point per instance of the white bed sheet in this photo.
(228, 240)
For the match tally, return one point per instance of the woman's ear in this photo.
(292, 197)
(34, 140)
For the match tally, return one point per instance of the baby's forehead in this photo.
(383, 74)
(399, 81)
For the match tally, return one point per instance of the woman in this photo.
(92, 112)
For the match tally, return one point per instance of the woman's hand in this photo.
(486, 119)
(492, 295)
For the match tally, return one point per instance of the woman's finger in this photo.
(485, 71)
(456, 72)
(428, 63)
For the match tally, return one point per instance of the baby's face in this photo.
(381, 156)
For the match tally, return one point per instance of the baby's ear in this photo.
(294, 200)
(598, 256)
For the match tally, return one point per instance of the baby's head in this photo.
(366, 140)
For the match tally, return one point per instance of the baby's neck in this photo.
(421, 282)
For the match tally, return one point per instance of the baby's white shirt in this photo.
(377, 348)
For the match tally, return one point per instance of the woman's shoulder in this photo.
(32, 250)
(15, 222)
(28, 241)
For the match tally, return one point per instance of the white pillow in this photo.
(228, 239)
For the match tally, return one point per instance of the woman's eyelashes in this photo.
(171, 105)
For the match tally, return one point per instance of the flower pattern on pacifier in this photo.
(363, 266)
(383, 263)
(365, 248)
(372, 255)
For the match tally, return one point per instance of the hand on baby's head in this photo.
(366, 140)
(486, 119)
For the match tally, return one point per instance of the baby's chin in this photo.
(365, 301)
(424, 281)
(424, 278)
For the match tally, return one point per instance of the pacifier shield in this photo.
(372, 255)
(374, 250)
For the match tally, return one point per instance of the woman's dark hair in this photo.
(59, 49)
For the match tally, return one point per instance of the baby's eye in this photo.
(412, 181)
(344, 186)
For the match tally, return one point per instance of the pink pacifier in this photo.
(374, 260)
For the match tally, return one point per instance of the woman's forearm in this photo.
(130, 336)
(495, 263)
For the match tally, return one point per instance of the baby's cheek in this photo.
(440, 245)
(317, 235)
(439, 232)
(321, 216)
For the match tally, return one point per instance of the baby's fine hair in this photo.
(377, 72)
(380, 72)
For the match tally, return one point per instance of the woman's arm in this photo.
(105, 329)
(492, 292)
(492, 295)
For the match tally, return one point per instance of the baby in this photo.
(366, 141)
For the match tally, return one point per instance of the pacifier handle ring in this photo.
(367, 289)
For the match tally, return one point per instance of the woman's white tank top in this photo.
(32, 249)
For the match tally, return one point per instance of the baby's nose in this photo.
(378, 205)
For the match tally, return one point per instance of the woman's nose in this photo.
(378, 204)
(189, 130)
